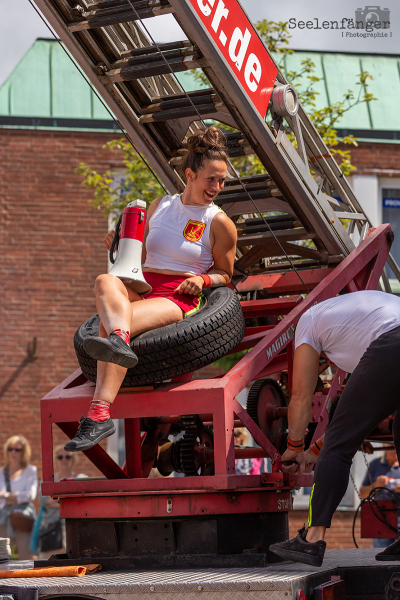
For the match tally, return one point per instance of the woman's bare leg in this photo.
(114, 305)
(113, 302)
(144, 315)
(150, 314)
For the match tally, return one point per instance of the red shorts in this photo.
(164, 286)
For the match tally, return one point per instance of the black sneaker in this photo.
(111, 349)
(89, 434)
(299, 550)
(392, 552)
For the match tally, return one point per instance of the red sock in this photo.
(124, 335)
(99, 410)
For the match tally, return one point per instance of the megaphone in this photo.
(128, 241)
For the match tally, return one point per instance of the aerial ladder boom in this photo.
(136, 79)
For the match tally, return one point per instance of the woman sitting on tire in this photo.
(185, 236)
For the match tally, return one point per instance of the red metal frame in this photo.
(272, 351)
(371, 526)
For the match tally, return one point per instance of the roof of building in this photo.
(45, 90)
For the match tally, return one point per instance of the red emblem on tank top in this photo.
(194, 230)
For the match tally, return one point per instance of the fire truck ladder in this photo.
(297, 220)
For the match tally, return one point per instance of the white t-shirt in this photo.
(25, 486)
(344, 327)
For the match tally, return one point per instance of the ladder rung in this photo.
(209, 98)
(257, 182)
(351, 216)
(292, 235)
(120, 14)
(271, 220)
(150, 55)
(127, 54)
(103, 4)
(278, 226)
(150, 68)
(240, 196)
(180, 113)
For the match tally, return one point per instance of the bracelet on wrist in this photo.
(207, 280)
(315, 450)
(295, 445)
(316, 447)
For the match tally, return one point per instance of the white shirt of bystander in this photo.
(25, 486)
(343, 327)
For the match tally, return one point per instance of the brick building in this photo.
(50, 121)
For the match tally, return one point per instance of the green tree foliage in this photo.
(137, 181)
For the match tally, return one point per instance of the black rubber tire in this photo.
(177, 349)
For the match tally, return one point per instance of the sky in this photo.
(20, 25)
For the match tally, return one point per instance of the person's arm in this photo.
(223, 237)
(380, 481)
(305, 374)
(311, 457)
(6, 497)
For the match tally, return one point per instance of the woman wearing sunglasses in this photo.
(52, 527)
(18, 488)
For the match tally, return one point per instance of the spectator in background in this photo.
(243, 466)
(383, 472)
(18, 489)
(258, 466)
(52, 527)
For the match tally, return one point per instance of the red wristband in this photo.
(316, 447)
(207, 280)
(296, 446)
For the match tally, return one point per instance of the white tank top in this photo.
(179, 237)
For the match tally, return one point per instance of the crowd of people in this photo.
(31, 534)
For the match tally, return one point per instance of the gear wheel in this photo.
(264, 397)
(197, 437)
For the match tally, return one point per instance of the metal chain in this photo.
(355, 487)
(369, 475)
(368, 470)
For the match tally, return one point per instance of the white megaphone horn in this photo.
(128, 240)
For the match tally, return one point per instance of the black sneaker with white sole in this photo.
(111, 349)
(89, 434)
(299, 550)
(391, 552)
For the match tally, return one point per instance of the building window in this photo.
(391, 214)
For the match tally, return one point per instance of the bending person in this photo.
(185, 236)
(360, 334)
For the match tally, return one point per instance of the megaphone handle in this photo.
(114, 244)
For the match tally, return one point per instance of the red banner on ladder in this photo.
(240, 45)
